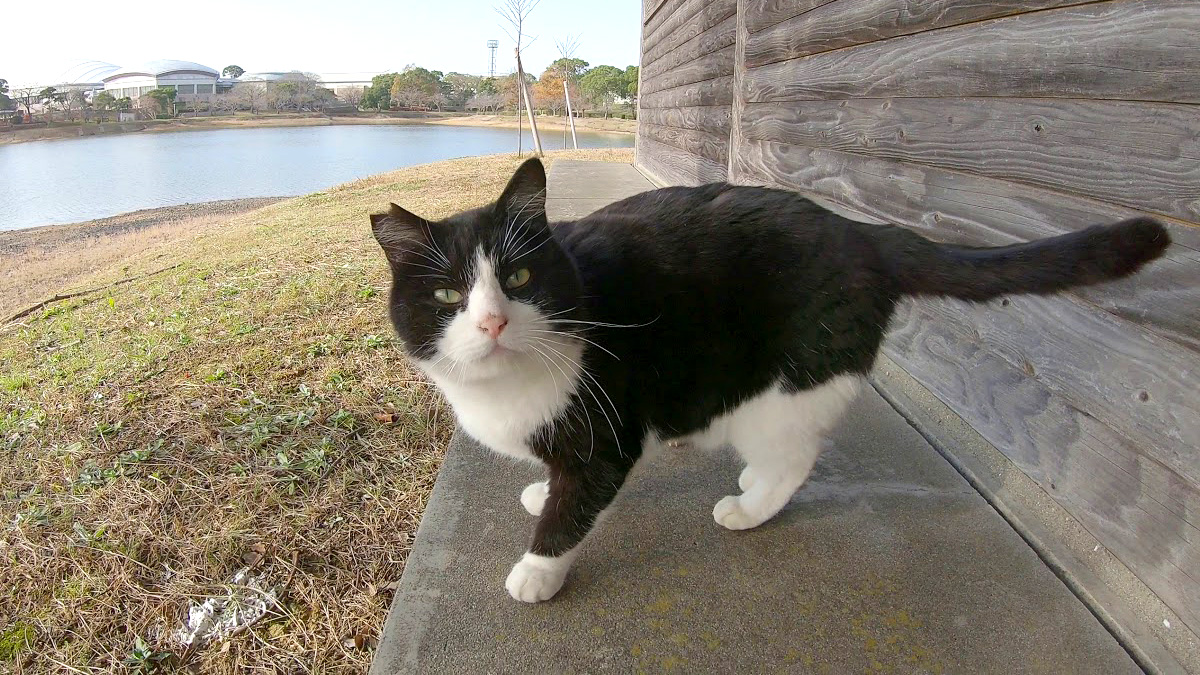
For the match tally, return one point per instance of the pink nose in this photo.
(493, 325)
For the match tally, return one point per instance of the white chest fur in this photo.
(503, 412)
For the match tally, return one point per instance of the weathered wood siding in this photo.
(988, 123)
(686, 92)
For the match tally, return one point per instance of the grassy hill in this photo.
(235, 399)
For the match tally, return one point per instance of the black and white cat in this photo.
(716, 315)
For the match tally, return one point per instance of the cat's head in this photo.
(482, 292)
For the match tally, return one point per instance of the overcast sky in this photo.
(41, 39)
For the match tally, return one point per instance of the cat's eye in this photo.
(447, 296)
(517, 279)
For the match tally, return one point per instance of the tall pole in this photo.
(520, 124)
(570, 115)
(537, 141)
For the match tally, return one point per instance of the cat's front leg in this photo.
(576, 499)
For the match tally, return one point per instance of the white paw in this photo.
(746, 479)
(729, 514)
(535, 578)
(533, 497)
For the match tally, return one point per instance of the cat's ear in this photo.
(525, 196)
(398, 231)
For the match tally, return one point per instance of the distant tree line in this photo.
(598, 88)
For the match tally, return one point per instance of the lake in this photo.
(45, 182)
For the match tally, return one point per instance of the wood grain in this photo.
(707, 67)
(713, 118)
(714, 39)
(1123, 50)
(699, 25)
(717, 91)
(703, 143)
(673, 166)
(842, 24)
(1142, 512)
(1141, 155)
(962, 208)
(675, 16)
(739, 71)
(650, 8)
(761, 14)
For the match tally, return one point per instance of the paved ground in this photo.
(886, 561)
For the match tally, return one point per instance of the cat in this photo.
(716, 315)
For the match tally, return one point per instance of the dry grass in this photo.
(156, 437)
(40, 261)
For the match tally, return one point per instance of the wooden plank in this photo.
(739, 103)
(1141, 155)
(679, 15)
(701, 23)
(1142, 512)
(663, 14)
(1065, 53)
(842, 24)
(714, 39)
(962, 208)
(677, 167)
(650, 8)
(762, 14)
(708, 67)
(717, 91)
(704, 143)
(714, 118)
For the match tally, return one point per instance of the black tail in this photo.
(1090, 256)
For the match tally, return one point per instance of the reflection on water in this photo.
(66, 181)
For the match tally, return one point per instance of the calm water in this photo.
(67, 181)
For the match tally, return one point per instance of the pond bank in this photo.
(19, 135)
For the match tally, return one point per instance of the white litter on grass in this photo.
(1166, 623)
(246, 601)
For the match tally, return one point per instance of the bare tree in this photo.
(251, 95)
(514, 13)
(27, 96)
(351, 95)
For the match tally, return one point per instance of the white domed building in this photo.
(190, 80)
(85, 76)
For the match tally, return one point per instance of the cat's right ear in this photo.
(397, 231)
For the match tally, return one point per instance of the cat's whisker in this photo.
(526, 250)
(609, 325)
(585, 374)
(576, 336)
(583, 406)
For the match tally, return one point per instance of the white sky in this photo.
(40, 39)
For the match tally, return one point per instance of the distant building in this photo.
(87, 76)
(191, 81)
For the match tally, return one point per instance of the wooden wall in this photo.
(686, 92)
(988, 123)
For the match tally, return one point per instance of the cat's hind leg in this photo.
(779, 435)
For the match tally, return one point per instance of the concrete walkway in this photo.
(886, 561)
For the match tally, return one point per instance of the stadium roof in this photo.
(87, 72)
(161, 67)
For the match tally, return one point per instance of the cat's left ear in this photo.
(525, 196)
(398, 230)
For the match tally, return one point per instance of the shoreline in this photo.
(86, 130)
(38, 261)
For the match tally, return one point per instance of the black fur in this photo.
(713, 293)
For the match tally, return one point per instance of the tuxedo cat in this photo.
(716, 315)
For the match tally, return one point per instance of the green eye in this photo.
(517, 279)
(447, 296)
